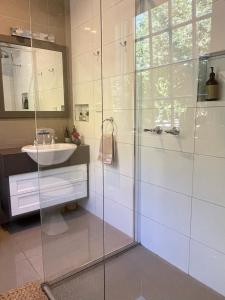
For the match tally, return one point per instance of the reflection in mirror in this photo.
(32, 78)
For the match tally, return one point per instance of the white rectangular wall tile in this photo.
(86, 67)
(123, 124)
(117, 59)
(208, 224)
(82, 35)
(118, 21)
(169, 169)
(118, 216)
(210, 126)
(179, 90)
(83, 94)
(184, 79)
(167, 119)
(209, 174)
(94, 204)
(217, 42)
(168, 244)
(118, 92)
(118, 188)
(99, 180)
(81, 11)
(124, 162)
(207, 266)
(166, 207)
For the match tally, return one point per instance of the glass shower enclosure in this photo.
(87, 200)
(143, 169)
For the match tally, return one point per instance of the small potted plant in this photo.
(75, 136)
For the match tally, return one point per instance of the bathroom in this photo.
(112, 149)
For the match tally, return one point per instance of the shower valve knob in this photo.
(157, 130)
(173, 131)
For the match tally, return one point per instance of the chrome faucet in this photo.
(157, 130)
(54, 137)
(45, 136)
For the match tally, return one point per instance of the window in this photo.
(168, 38)
(174, 31)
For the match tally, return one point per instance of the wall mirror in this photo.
(32, 78)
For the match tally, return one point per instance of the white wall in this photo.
(182, 206)
(181, 201)
(118, 87)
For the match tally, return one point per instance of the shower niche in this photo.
(209, 64)
(82, 112)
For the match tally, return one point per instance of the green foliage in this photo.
(182, 43)
(160, 46)
(160, 17)
(204, 35)
(142, 54)
(142, 25)
(203, 7)
(181, 11)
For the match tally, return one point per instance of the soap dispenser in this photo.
(25, 101)
(212, 87)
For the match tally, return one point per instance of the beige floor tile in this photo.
(136, 274)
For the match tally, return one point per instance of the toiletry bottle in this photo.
(67, 136)
(212, 87)
(25, 103)
(81, 116)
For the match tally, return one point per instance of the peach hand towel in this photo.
(106, 150)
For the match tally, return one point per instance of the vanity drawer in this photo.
(63, 194)
(27, 183)
(22, 204)
(62, 176)
(29, 202)
(23, 183)
(78, 171)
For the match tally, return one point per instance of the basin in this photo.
(53, 154)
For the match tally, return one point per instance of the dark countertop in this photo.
(13, 161)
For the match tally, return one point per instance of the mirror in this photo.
(32, 79)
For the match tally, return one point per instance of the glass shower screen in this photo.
(87, 185)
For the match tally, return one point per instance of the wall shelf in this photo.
(82, 112)
(216, 60)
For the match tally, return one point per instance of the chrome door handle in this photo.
(173, 131)
(157, 130)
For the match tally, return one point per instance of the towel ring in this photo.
(111, 121)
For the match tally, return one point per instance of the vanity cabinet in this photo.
(30, 191)
(24, 190)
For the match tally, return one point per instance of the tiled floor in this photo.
(22, 255)
(81, 243)
(19, 249)
(135, 275)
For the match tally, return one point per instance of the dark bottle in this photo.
(212, 87)
(25, 103)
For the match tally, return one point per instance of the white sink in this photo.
(46, 155)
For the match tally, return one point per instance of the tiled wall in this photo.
(51, 16)
(181, 202)
(182, 206)
(118, 100)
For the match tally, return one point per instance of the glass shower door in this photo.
(72, 234)
(87, 201)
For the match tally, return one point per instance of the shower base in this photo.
(134, 274)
